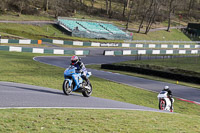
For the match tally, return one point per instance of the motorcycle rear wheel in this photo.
(66, 89)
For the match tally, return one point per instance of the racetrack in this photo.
(179, 91)
(15, 95)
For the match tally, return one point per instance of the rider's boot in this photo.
(88, 82)
(86, 79)
(171, 108)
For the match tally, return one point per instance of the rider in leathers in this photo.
(166, 88)
(75, 61)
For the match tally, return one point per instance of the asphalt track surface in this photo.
(179, 91)
(16, 95)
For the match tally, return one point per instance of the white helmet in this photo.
(166, 87)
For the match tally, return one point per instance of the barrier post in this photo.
(39, 41)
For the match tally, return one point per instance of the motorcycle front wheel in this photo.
(66, 88)
(88, 91)
(162, 104)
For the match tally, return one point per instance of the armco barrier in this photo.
(21, 41)
(163, 74)
(124, 45)
(150, 52)
(98, 44)
(44, 50)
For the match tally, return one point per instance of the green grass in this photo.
(162, 35)
(15, 17)
(31, 31)
(185, 63)
(41, 31)
(74, 120)
(9, 36)
(24, 45)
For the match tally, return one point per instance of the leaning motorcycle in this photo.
(164, 101)
(74, 82)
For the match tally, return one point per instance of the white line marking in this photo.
(83, 108)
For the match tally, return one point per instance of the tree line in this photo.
(142, 12)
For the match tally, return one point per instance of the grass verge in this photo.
(184, 63)
(162, 35)
(24, 45)
(16, 17)
(74, 120)
(41, 31)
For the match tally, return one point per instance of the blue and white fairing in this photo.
(72, 73)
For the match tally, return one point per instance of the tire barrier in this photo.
(21, 41)
(44, 50)
(159, 73)
(150, 52)
(98, 44)
(124, 45)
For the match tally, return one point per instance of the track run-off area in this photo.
(16, 95)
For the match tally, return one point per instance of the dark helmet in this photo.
(74, 60)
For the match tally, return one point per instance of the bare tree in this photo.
(92, 3)
(110, 8)
(3, 6)
(81, 1)
(107, 8)
(142, 12)
(145, 14)
(171, 8)
(59, 7)
(124, 8)
(21, 5)
(129, 15)
(191, 5)
(152, 15)
(46, 5)
(127, 3)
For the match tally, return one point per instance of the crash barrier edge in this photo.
(163, 74)
(98, 44)
(20, 41)
(124, 45)
(150, 52)
(44, 50)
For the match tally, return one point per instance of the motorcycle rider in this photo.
(166, 88)
(75, 61)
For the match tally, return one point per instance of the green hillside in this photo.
(116, 11)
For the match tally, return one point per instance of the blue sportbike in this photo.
(74, 82)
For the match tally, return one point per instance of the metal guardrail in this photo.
(163, 42)
(44, 50)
